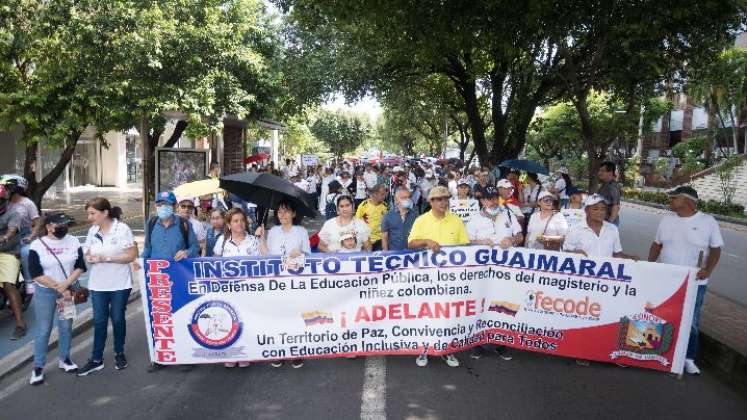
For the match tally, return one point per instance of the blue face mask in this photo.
(406, 204)
(493, 212)
(164, 212)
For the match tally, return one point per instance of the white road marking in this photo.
(732, 255)
(373, 397)
(23, 381)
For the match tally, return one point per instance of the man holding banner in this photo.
(438, 227)
(493, 226)
(692, 239)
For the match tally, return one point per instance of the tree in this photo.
(517, 56)
(341, 132)
(722, 87)
(66, 65)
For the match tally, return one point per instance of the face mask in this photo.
(406, 204)
(60, 232)
(164, 212)
(493, 212)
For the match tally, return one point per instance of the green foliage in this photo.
(341, 132)
(689, 152)
(722, 86)
(726, 172)
(708, 206)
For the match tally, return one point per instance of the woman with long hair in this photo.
(334, 229)
(109, 249)
(235, 242)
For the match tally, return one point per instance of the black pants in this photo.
(376, 246)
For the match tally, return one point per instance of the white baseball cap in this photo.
(398, 169)
(504, 183)
(594, 199)
(544, 194)
(563, 170)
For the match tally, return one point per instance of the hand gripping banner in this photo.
(211, 310)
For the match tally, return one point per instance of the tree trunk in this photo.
(150, 165)
(181, 125)
(587, 134)
(36, 189)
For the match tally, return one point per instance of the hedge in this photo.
(708, 206)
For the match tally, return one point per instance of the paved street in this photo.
(531, 386)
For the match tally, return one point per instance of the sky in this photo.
(367, 106)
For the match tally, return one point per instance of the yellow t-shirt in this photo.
(447, 231)
(372, 215)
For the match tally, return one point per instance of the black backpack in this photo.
(330, 210)
(183, 225)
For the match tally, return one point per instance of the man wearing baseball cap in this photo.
(492, 226)
(168, 236)
(434, 229)
(690, 238)
(595, 237)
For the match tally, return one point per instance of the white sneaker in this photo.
(230, 364)
(422, 360)
(450, 360)
(691, 367)
(37, 376)
(67, 365)
(244, 364)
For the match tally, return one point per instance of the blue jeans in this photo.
(692, 344)
(110, 304)
(45, 309)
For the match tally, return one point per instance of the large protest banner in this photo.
(212, 310)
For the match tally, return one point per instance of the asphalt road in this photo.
(638, 228)
(529, 387)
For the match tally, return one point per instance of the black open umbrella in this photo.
(268, 190)
(525, 165)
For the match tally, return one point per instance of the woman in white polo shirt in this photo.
(109, 249)
(237, 242)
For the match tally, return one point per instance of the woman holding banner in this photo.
(331, 234)
(546, 228)
(237, 242)
(290, 240)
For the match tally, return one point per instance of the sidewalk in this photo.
(130, 199)
(723, 323)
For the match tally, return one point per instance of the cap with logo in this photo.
(575, 190)
(166, 197)
(463, 181)
(684, 191)
(490, 192)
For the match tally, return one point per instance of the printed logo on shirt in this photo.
(644, 336)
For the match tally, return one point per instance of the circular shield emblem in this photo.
(215, 325)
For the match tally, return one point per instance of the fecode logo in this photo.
(538, 301)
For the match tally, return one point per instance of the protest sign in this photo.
(309, 160)
(211, 310)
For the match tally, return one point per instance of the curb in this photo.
(719, 217)
(728, 364)
(25, 355)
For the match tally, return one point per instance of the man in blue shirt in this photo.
(165, 234)
(397, 222)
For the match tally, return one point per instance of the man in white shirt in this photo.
(328, 177)
(492, 226)
(692, 239)
(595, 237)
